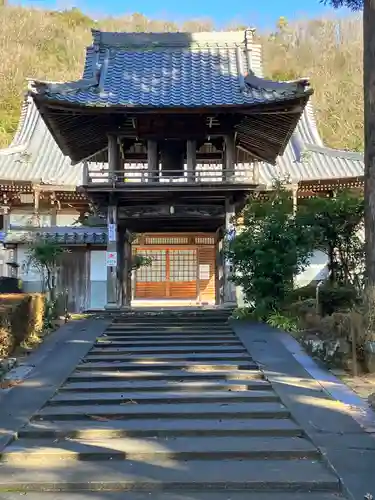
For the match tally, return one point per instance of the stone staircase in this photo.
(167, 406)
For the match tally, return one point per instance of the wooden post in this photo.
(295, 198)
(229, 287)
(191, 159)
(153, 161)
(127, 285)
(115, 165)
(219, 275)
(112, 271)
(229, 157)
(36, 220)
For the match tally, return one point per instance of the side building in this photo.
(176, 215)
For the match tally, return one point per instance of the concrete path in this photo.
(170, 406)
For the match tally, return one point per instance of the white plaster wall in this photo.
(24, 273)
(317, 270)
(63, 219)
(98, 279)
(24, 218)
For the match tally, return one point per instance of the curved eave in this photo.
(81, 130)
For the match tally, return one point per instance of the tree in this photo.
(44, 256)
(271, 249)
(368, 7)
(337, 223)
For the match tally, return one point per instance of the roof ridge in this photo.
(353, 155)
(178, 39)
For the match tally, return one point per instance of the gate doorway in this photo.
(172, 274)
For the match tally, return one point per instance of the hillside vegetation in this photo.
(50, 45)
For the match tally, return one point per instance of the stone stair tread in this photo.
(153, 426)
(173, 336)
(166, 345)
(184, 495)
(168, 375)
(145, 397)
(169, 386)
(171, 447)
(141, 343)
(163, 365)
(113, 475)
(184, 410)
(185, 356)
(218, 348)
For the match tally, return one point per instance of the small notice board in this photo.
(111, 259)
(204, 271)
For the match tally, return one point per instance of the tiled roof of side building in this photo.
(34, 156)
(171, 70)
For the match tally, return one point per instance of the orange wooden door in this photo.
(172, 274)
(182, 273)
(151, 281)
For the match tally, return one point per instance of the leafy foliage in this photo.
(283, 322)
(351, 4)
(270, 250)
(337, 224)
(44, 256)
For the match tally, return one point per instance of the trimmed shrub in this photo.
(21, 320)
(331, 298)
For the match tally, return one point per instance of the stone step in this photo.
(99, 429)
(160, 386)
(180, 350)
(187, 356)
(183, 411)
(177, 375)
(49, 452)
(168, 337)
(178, 327)
(148, 365)
(257, 475)
(185, 495)
(159, 333)
(110, 398)
(138, 344)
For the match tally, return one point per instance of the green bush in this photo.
(283, 322)
(332, 298)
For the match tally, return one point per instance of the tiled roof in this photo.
(305, 157)
(171, 70)
(34, 155)
(59, 234)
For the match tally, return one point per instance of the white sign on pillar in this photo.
(111, 259)
(112, 233)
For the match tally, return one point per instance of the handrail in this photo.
(144, 175)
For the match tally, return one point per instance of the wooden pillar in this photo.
(36, 219)
(295, 198)
(219, 268)
(112, 270)
(229, 157)
(229, 287)
(191, 159)
(115, 164)
(128, 258)
(152, 161)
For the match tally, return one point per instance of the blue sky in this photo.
(263, 15)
